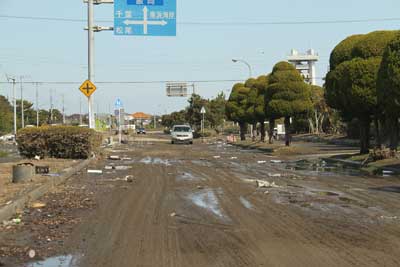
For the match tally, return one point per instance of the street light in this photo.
(245, 62)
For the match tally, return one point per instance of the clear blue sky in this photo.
(57, 50)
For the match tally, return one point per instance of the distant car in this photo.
(141, 130)
(181, 134)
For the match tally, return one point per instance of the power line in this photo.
(128, 82)
(219, 23)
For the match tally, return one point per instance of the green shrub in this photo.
(231, 130)
(207, 133)
(58, 142)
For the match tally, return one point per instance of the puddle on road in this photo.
(149, 160)
(203, 163)
(59, 261)
(187, 176)
(321, 166)
(246, 203)
(207, 199)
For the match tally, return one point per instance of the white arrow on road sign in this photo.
(145, 22)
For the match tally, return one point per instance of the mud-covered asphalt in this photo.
(182, 205)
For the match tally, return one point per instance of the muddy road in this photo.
(200, 206)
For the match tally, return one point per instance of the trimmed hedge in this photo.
(67, 142)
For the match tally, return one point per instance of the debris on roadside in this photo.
(261, 161)
(122, 168)
(37, 157)
(38, 205)
(129, 178)
(95, 171)
(109, 167)
(266, 184)
(389, 217)
(217, 157)
(234, 157)
(276, 161)
(9, 202)
(274, 175)
(126, 158)
(173, 214)
(31, 253)
(114, 157)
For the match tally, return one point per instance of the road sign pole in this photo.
(119, 126)
(15, 111)
(90, 60)
(37, 105)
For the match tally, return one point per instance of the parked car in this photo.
(141, 130)
(181, 134)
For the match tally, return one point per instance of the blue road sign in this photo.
(146, 2)
(118, 103)
(145, 17)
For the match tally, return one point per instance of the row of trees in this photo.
(6, 115)
(280, 94)
(214, 117)
(363, 83)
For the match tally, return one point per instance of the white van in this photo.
(181, 134)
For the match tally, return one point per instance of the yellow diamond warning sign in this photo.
(87, 88)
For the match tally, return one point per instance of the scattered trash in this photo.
(389, 217)
(95, 171)
(276, 161)
(173, 214)
(274, 174)
(37, 157)
(9, 202)
(31, 253)
(266, 184)
(217, 157)
(234, 157)
(114, 157)
(16, 220)
(38, 205)
(266, 192)
(109, 167)
(387, 172)
(52, 174)
(126, 158)
(122, 168)
(129, 178)
(261, 162)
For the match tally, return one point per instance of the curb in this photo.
(18, 204)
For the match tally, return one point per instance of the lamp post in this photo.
(244, 62)
(250, 75)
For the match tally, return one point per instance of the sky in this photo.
(209, 35)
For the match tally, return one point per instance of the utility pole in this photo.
(63, 109)
(80, 111)
(90, 60)
(51, 106)
(91, 28)
(15, 106)
(22, 106)
(37, 105)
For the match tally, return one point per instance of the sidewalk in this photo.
(14, 196)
